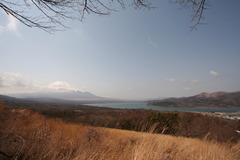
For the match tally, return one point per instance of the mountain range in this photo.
(215, 99)
(67, 95)
(64, 97)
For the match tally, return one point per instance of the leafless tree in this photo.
(50, 14)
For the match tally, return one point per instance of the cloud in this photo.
(11, 26)
(61, 86)
(13, 83)
(10, 79)
(171, 80)
(214, 74)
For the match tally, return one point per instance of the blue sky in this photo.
(131, 54)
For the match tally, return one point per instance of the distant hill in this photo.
(8, 98)
(215, 99)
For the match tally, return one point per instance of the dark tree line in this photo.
(49, 15)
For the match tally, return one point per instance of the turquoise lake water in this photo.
(143, 105)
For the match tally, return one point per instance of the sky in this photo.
(130, 54)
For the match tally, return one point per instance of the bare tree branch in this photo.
(197, 7)
(49, 15)
(142, 3)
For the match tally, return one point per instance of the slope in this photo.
(25, 134)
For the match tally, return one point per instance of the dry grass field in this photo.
(27, 135)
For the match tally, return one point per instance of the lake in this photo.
(143, 105)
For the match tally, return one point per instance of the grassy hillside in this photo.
(194, 125)
(25, 134)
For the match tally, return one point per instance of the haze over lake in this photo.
(143, 105)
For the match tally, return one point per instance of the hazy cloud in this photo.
(1, 28)
(152, 43)
(189, 81)
(1, 82)
(194, 82)
(171, 80)
(190, 85)
(187, 88)
(81, 33)
(214, 74)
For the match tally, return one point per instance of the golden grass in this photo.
(28, 135)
